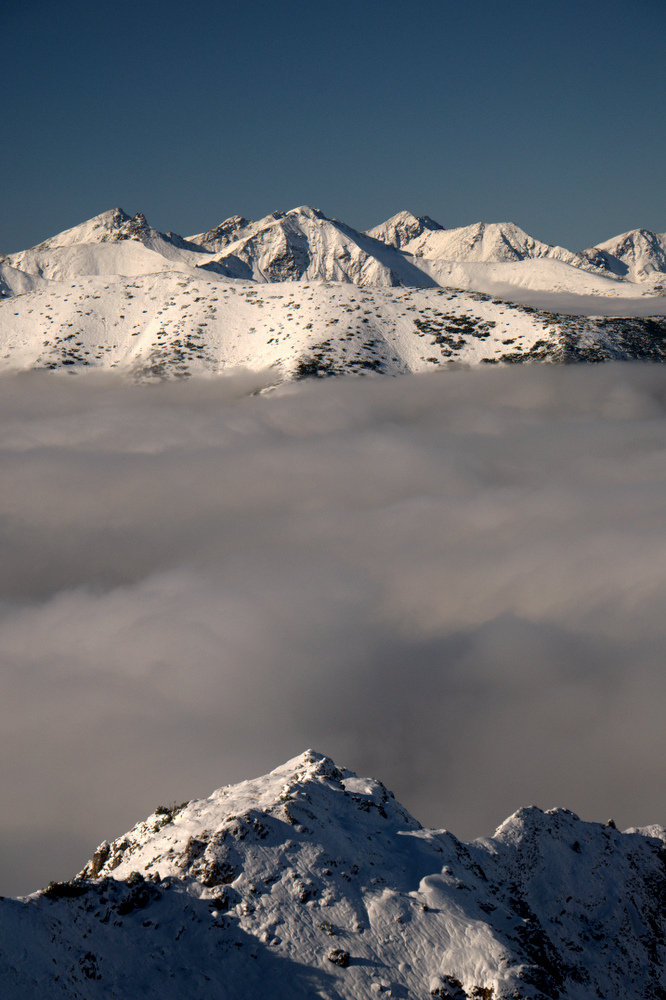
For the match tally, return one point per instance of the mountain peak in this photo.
(221, 235)
(115, 217)
(161, 843)
(403, 227)
(641, 253)
(313, 881)
(488, 243)
(113, 225)
(307, 212)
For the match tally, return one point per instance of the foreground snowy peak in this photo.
(312, 882)
(188, 323)
(164, 842)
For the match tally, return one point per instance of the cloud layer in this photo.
(455, 582)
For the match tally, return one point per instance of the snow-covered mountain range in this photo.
(301, 294)
(312, 882)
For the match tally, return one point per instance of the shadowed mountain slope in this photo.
(311, 881)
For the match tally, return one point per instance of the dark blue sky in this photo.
(551, 114)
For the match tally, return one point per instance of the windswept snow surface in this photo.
(180, 324)
(312, 882)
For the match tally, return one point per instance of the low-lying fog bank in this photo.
(455, 582)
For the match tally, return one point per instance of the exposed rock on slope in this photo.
(639, 255)
(230, 230)
(403, 227)
(305, 245)
(178, 324)
(313, 882)
(303, 294)
(112, 243)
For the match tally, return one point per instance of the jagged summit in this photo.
(160, 843)
(308, 212)
(226, 232)
(305, 245)
(116, 293)
(639, 254)
(110, 225)
(403, 227)
(237, 227)
(112, 243)
(313, 882)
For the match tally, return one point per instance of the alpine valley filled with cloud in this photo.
(219, 548)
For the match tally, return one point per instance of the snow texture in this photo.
(303, 295)
(312, 882)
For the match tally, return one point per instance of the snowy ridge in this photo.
(112, 243)
(639, 255)
(304, 245)
(312, 882)
(499, 242)
(111, 225)
(182, 323)
(231, 230)
(301, 294)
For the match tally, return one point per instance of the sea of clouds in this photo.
(455, 582)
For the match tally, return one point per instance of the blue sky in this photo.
(550, 114)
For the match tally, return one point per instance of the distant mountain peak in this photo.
(133, 227)
(488, 243)
(228, 231)
(117, 216)
(641, 253)
(113, 225)
(303, 244)
(403, 227)
(237, 227)
(307, 212)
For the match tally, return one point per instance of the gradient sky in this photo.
(550, 114)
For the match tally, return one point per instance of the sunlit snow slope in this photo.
(300, 294)
(312, 882)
